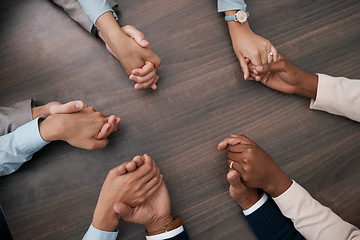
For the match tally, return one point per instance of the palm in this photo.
(155, 207)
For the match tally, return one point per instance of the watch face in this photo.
(241, 16)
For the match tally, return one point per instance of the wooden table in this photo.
(201, 99)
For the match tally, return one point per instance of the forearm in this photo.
(311, 219)
(111, 32)
(338, 95)
(267, 222)
(105, 219)
(308, 86)
(18, 147)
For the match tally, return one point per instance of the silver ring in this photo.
(231, 164)
(270, 54)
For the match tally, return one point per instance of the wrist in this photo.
(230, 12)
(41, 111)
(110, 30)
(278, 185)
(248, 201)
(105, 219)
(48, 131)
(239, 30)
(157, 226)
(308, 86)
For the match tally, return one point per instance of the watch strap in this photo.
(230, 18)
(171, 226)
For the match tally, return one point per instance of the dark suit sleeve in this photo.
(14, 116)
(267, 222)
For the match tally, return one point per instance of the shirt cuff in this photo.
(28, 137)
(166, 235)
(256, 206)
(95, 8)
(228, 5)
(96, 234)
(285, 193)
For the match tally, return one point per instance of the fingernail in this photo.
(244, 77)
(259, 68)
(134, 78)
(77, 105)
(144, 42)
(140, 86)
(233, 178)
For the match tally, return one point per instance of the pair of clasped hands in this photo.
(136, 192)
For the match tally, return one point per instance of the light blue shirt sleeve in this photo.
(227, 5)
(18, 146)
(96, 234)
(95, 8)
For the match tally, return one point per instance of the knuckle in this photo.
(147, 168)
(127, 27)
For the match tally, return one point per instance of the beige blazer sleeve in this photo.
(338, 95)
(311, 219)
(14, 116)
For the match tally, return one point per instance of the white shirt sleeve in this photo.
(256, 206)
(95, 8)
(166, 235)
(311, 219)
(338, 95)
(18, 147)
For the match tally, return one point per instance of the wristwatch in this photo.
(241, 16)
(171, 226)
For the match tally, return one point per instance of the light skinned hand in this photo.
(57, 108)
(245, 196)
(80, 129)
(154, 213)
(109, 127)
(249, 45)
(131, 183)
(146, 76)
(256, 168)
(132, 54)
(285, 77)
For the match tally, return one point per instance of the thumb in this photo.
(278, 66)
(124, 211)
(138, 36)
(101, 143)
(233, 178)
(70, 107)
(244, 67)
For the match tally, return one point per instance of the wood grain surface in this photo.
(201, 99)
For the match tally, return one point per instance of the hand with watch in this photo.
(249, 48)
(135, 192)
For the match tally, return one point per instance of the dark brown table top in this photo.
(200, 100)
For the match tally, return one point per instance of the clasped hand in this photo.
(136, 192)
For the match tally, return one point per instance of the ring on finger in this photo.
(231, 165)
